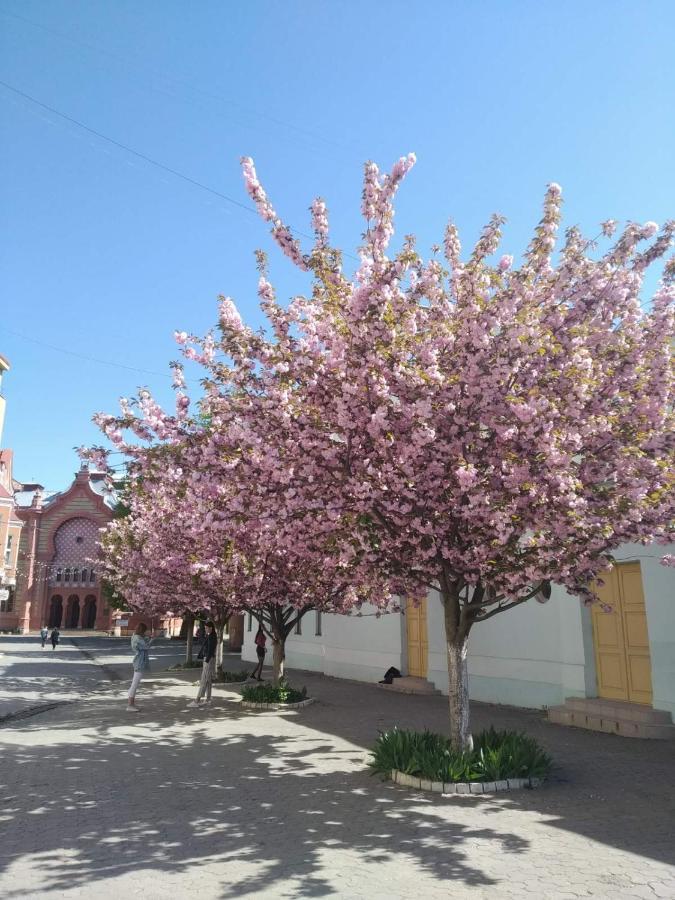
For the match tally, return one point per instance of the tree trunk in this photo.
(458, 696)
(278, 658)
(190, 620)
(220, 632)
(456, 641)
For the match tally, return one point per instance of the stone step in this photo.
(409, 684)
(563, 715)
(621, 709)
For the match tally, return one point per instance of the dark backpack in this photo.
(390, 674)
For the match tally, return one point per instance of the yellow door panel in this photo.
(621, 637)
(416, 628)
(635, 626)
(640, 679)
(612, 675)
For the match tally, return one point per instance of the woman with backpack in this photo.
(260, 649)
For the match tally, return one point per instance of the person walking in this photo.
(261, 650)
(54, 637)
(208, 653)
(44, 632)
(140, 645)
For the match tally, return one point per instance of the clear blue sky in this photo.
(105, 255)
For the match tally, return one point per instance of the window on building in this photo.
(59, 574)
(7, 604)
(298, 626)
(250, 622)
(8, 551)
(92, 577)
(66, 574)
(317, 630)
(76, 574)
(84, 575)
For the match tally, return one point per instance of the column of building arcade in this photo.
(71, 609)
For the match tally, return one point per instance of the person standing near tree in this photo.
(208, 656)
(140, 645)
(260, 649)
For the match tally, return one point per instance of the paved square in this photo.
(222, 802)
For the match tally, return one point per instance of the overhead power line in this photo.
(148, 159)
(127, 149)
(95, 359)
(173, 81)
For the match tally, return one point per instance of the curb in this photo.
(466, 787)
(111, 674)
(29, 711)
(249, 705)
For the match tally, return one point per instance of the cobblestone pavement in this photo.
(222, 802)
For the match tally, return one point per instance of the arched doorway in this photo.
(73, 611)
(89, 612)
(55, 611)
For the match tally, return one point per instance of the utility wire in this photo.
(148, 159)
(177, 82)
(95, 359)
(151, 161)
(127, 149)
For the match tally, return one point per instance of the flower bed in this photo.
(423, 759)
(274, 696)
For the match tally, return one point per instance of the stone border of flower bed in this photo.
(466, 787)
(249, 705)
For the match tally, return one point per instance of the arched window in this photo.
(92, 577)
(59, 574)
(84, 576)
(66, 574)
(76, 574)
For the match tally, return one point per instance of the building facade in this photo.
(535, 655)
(57, 582)
(10, 524)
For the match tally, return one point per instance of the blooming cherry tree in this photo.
(461, 424)
(487, 429)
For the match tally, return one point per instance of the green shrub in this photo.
(273, 693)
(496, 755)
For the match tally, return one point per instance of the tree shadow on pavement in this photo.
(89, 796)
(616, 791)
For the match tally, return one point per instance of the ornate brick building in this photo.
(57, 581)
(10, 525)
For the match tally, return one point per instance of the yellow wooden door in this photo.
(418, 642)
(621, 640)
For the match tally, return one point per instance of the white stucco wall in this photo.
(533, 656)
(348, 647)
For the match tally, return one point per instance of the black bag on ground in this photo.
(390, 674)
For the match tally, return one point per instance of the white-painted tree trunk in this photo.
(456, 642)
(189, 639)
(458, 695)
(220, 632)
(278, 658)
